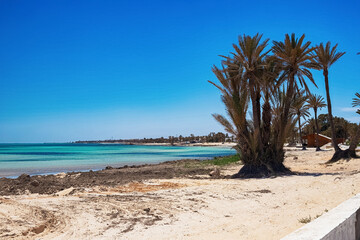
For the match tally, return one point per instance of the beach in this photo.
(183, 205)
(177, 120)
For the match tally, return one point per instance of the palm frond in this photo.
(227, 125)
(297, 57)
(356, 100)
(315, 101)
(326, 55)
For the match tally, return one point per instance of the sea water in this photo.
(33, 159)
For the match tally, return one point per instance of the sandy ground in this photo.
(184, 208)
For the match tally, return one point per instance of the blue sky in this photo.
(73, 70)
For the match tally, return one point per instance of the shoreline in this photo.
(116, 166)
(111, 166)
(25, 181)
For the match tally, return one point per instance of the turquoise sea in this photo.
(33, 159)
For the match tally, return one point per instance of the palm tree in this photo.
(301, 110)
(249, 76)
(325, 57)
(296, 58)
(243, 78)
(235, 98)
(250, 53)
(316, 102)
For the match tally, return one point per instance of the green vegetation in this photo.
(222, 161)
(308, 219)
(216, 161)
(211, 137)
(343, 128)
(305, 219)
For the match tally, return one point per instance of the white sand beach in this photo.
(268, 208)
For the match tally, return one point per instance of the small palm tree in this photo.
(316, 102)
(300, 110)
(325, 57)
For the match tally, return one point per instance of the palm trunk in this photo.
(255, 102)
(300, 135)
(317, 131)
(280, 126)
(285, 114)
(333, 135)
(266, 117)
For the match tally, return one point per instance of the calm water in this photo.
(16, 159)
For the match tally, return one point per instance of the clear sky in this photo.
(81, 70)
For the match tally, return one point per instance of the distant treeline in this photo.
(212, 137)
(343, 128)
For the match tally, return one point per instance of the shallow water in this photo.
(16, 159)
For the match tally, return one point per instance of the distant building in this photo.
(310, 140)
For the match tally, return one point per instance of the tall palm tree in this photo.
(316, 102)
(250, 53)
(248, 78)
(296, 58)
(301, 110)
(325, 57)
